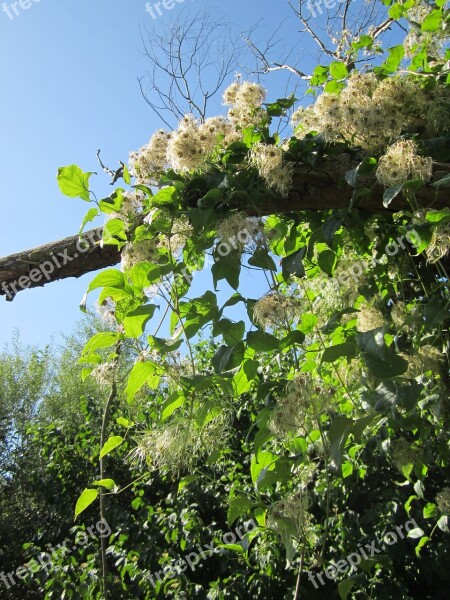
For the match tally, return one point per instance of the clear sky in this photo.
(69, 86)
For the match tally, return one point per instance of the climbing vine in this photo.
(340, 365)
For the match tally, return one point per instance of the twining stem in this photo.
(103, 434)
(299, 576)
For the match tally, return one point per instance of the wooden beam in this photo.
(321, 187)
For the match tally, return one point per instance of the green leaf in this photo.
(382, 362)
(364, 41)
(112, 204)
(415, 533)
(345, 587)
(109, 484)
(436, 216)
(423, 540)
(88, 496)
(320, 75)
(261, 465)
(175, 400)
(263, 260)
(114, 232)
(293, 338)
(141, 373)
(165, 196)
(338, 70)
(110, 278)
(262, 342)
(110, 444)
(228, 268)
(347, 469)
(228, 357)
(242, 381)
(333, 353)
(444, 182)
(334, 87)
(389, 394)
(327, 261)
(430, 511)
(390, 194)
(396, 11)
(186, 481)
(329, 228)
(104, 339)
(238, 506)
(340, 429)
(443, 524)
(396, 55)
(293, 264)
(90, 216)
(432, 21)
(126, 175)
(136, 320)
(73, 182)
(231, 332)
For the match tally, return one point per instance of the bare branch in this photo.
(190, 59)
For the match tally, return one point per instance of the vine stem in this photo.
(327, 476)
(103, 433)
(299, 576)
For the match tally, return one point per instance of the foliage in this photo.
(319, 410)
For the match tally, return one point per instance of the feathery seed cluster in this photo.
(402, 454)
(275, 310)
(443, 501)
(369, 318)
(138, 251)
(179, 445)
(290, 518)
(269, 160)
(439, 245)
(238, 230)
(245, 100)
(371, 113)
(402, 163)
(304, 399)
(104, 373)
(151, 158)
(180, 232)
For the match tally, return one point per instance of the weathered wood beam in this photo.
(70, 257)
(315, 188)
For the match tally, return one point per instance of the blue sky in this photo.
(69, 86)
